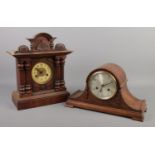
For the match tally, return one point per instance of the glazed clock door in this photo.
(42, 75)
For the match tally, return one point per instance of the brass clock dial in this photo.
(103, 85)
(42, 73)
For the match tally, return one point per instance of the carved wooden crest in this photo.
(42, 41)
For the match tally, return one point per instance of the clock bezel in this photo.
(96, 72)
(52, 72)
(50, 84)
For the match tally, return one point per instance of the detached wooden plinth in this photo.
(38, 100)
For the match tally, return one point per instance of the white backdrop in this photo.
(131, 48)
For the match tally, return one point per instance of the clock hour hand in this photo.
(38, 70)
(41, 72)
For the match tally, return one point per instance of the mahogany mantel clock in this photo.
(40, 73)
(106, 91)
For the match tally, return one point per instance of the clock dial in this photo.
(103, 85)
(42, 73)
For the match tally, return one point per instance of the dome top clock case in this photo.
(106, 91)
(40, 73)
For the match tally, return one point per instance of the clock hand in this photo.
(37, 69)
(104, 86)
(107, 84)
(40, 71)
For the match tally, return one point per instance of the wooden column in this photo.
(20, 77)
(62, 81)
(24, 77)
(28, 85)
(57, 72)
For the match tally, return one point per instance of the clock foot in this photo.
(141, 119)
(69, 102)
(69, 105)
(38, 100)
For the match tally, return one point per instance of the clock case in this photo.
(29, 93)
(122, 104)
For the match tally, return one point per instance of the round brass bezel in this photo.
(46, 81)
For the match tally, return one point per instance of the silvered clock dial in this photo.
(103, 85)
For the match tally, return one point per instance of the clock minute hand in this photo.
(104, 86)
(37, 69)
(107, 84)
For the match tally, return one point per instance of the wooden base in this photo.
(38, 100)
(75, 102)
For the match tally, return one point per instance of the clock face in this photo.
(41, 73)
(103, 85)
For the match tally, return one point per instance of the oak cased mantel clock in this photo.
(40, 73)
(106, 91)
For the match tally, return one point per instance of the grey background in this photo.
(131, 48)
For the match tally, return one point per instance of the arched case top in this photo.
(117, 71)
